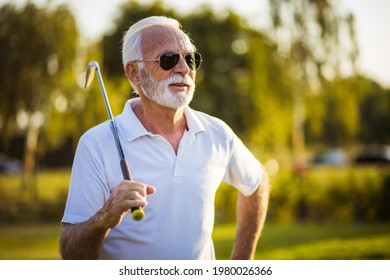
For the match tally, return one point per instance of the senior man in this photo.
(178, 157)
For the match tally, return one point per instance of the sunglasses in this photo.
(168, 60)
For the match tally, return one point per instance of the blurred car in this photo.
(330, 157)
(10, 165)
(373, 155)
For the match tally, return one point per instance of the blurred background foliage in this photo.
(290, 92)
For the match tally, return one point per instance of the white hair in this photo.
(131, 46)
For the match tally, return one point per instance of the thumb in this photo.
(150, 189)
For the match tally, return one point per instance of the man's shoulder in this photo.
(97, 132)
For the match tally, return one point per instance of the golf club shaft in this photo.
(137, 212)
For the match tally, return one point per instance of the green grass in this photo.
(313, 241)
(278, 242)
(29, 242)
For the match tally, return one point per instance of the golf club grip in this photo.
(136, 212)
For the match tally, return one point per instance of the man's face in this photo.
(173, 88)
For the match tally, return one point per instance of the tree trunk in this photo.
(298, 133)
(30, 152)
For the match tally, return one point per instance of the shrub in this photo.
(321, 194)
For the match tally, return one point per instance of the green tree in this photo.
(38, 51)
(316, 41)
(349, 110)
(374, 117)
(334, 113)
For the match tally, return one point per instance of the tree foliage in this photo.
(316, 41)
(374, 117)
(254, 80)
(38, 50)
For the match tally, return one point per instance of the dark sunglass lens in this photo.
(193, 60)
(168, 60)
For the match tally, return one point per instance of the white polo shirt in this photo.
(179, 217)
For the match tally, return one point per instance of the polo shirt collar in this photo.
(193, 122)
(133, 128)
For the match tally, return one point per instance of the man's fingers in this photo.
(143, 189)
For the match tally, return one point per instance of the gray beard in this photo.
(159, 91)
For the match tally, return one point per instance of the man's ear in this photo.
(132, 73)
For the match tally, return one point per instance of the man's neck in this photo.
(157, 119)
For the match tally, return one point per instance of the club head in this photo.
(92, 67)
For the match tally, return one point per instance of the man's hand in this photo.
(127, 195)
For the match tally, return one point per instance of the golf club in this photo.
(93, 67)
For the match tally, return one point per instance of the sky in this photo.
(96, 17)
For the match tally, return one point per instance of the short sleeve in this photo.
(244, 171)
(88, 185)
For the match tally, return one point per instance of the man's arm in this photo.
(85, 240)
(251, 214)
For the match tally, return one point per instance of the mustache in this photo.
(176, 78)
(180, 79)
